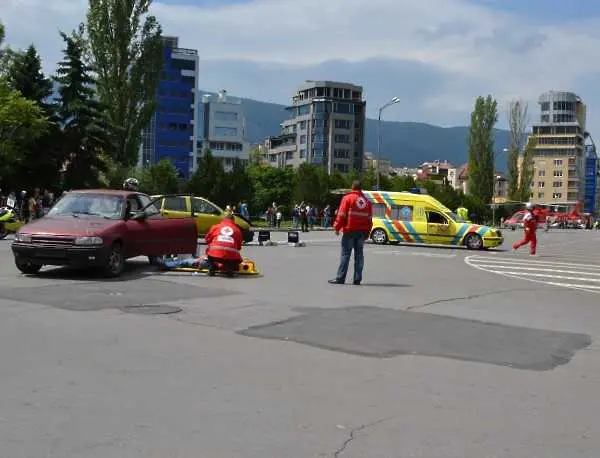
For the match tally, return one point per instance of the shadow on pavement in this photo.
(133, 271)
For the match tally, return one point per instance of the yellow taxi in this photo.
(206, 213)
(410, 217)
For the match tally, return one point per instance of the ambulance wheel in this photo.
(379, 237)
(474, 242)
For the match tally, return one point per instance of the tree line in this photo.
(81, 126)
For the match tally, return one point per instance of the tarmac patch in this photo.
(384, 333)
(108, 295)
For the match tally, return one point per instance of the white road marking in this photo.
(415, 253)
(578, 276)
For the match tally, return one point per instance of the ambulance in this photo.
(413, 217)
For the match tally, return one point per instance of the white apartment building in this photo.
(225, 129)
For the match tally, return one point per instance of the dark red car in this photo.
(101, 228)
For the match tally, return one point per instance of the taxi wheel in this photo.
(379, 237)
(474, 242)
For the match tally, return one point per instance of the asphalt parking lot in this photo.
(441, 353)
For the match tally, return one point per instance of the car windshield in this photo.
(454, 217)
(84, 204)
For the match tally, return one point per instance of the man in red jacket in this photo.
(354, 219)
(529, 226)
(224, 244)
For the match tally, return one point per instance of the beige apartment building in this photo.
(559, 158)
(326, 127)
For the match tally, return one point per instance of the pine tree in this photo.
(517, 123)
(84, 128)
(481, 148)
(26, 76)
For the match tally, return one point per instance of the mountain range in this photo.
(403, 143)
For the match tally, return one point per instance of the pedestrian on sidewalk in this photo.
(529, 228)
(354, 220)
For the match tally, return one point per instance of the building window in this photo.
(302, 125)
(341, 153)
(542, 173)
(557, 184)
(226, 116)
(303, 139)
(225, 131)
(540, 195)
(342, 124)
(558, 162)
(345, 108)
(558, 173)
(545, 106)
(302, 153)
(541, 184)
(289, 155)
(556, 195)
(339, 138)
(303, 110)
(341, 167)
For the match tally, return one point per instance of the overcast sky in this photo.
(436, 55)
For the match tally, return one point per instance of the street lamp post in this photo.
(391, 102)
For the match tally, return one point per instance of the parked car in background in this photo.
(101, 229)
(204, 211)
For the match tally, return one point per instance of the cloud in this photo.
(437, 54)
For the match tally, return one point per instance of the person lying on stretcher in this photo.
(224, 242)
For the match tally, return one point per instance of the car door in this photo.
(207, 214)
(439, 228)
(175, 207)
(176, 235)
(137, 236)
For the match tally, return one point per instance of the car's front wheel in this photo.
(115, 262)
(474, 242)
(26, 267)
(379, 237)
(3, 231)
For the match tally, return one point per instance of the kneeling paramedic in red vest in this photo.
(354, 219)
(529, 226)
(224, 244)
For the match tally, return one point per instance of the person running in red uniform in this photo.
(529, 227)
(224, 246)
(354, 219)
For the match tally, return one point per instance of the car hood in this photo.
(68, 225)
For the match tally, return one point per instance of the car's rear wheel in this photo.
(474, 242)
(379, 237)
(3, 231)
(27, 267)
(155, 260)
(115, 262)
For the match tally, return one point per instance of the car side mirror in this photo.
(138, 216)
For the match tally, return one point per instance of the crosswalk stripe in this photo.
(530, 274)
(495, 266)
(522, 261)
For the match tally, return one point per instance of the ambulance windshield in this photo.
(454, 217)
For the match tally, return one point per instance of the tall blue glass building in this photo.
(172, 133)
(591, 180)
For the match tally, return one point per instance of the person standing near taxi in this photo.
(354, 219)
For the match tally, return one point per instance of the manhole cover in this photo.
(151, 309)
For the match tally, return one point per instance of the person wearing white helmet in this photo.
(131, 184)
(529, 227)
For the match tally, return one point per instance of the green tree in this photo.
(271, 185)
(238, 185)
(209, 180)
(160, 178)
(22, 121)
(127, 52)
(26, 76)
(85, 131)
(40, 162)
(517, 123)
(526, 175)
(306, 184)
(402, 183)
(481, 148)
